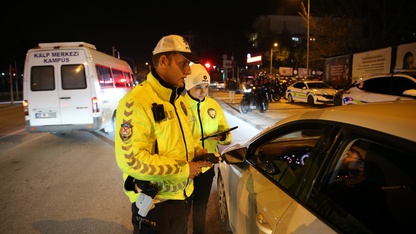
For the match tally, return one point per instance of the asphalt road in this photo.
(50, 184)
(277, 110)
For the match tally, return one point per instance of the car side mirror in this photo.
(235, 156)
(410, 92)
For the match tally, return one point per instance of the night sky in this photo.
(130, 27)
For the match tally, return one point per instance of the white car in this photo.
(220, 85)
(311, 92)
(217, 85)
(378, 88)
(287, 178)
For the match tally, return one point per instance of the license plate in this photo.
(45, 115)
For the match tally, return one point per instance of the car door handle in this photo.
(262, 224)
(65, 98)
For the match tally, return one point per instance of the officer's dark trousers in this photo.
(202, 190)
(170, 216)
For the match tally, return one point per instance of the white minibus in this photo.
(70, 86)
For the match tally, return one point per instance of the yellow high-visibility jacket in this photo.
(155, 149)
(207, 117)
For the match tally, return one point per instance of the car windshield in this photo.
(318, 86)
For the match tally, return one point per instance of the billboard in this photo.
(337, 71)
(405, 57)
(341, 71)
(371, 62)
(286, 71)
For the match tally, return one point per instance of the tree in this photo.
(348, 26)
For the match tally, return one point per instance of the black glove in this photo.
(211, 157)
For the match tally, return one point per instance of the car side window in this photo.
(376, 85)
(400, 84)
(282, 157)
(299, 85)
(372, 188)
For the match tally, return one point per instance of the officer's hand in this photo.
(195, 168)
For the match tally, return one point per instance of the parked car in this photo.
(287, 178)
(311, 92)
(217, 85)
(220, 85)
(213, 84)
(378, 88)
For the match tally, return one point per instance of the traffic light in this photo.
(207, 65)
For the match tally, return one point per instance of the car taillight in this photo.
(25, 105)
(95, 105)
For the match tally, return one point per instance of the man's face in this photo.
(353, 161)
(177, 70)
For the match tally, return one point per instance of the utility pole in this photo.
(114, 53)
(11, 83)
(308, 39)
(271, 57)
(17, 80)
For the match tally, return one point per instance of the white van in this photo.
(70, 86)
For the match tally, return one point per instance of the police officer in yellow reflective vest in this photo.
(154, 146)
(206, 118)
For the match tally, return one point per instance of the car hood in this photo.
(328, 91)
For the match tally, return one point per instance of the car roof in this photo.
(396, 118)
(383, 75)
(309, 81)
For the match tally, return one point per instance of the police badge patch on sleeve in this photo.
(126, 131)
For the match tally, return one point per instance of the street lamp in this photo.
(271, 57)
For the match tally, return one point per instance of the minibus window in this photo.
(104, 76)
(42, 78)
(73, 77)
